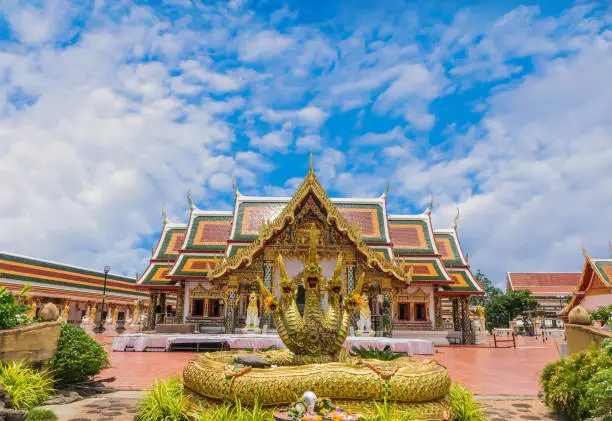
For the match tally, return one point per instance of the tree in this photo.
(505, 307)
(490, 291)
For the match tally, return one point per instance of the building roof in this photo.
(170, 242)
(544, 283)
(220, 241)
(595, 278)
(20, 270)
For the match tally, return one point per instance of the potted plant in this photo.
(601, 315)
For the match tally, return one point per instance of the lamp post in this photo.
(100, 326)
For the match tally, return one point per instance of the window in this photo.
(404, 311)
(213, 308)
(420, 310)
(197, 307)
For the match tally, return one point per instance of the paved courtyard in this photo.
(483, 370)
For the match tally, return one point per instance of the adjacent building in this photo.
(594, 286)
(76, 291)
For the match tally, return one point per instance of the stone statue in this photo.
(65, 312)
(85, 320)
(364, 324)
(252, 319)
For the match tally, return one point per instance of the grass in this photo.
(374, 353)
(37, 414)
(463, 407)
(234, 412)
(26, 386)
(165, 402)
(388, 412)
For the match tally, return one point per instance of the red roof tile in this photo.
(543, 282)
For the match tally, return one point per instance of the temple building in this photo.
(210, 263)
(76, 291)
(550, 289)
(594, 287)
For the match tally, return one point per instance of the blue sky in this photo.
(110, 110)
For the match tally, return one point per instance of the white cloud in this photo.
(254, 160)
(221, 182)
(276, 141)
(371, 138)
(309, 142)
(264, 45)
(309, 116)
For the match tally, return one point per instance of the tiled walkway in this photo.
(485, 371)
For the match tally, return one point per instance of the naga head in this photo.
(334, 285)
(288, 288)
(312, 270)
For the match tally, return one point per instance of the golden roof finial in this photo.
(467, 257)
(137, 276)
(456, 219)
(584, 251)
(165, 215)
(430, 206)
(610, 247)
(152, 251)
(190, 200)
(384, 195)
(310, 163)
(236, 192)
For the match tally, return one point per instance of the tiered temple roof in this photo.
(595, 280)
(213, 238)
(55, 280)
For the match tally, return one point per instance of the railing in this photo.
(504, 333)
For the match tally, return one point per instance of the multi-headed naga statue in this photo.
(315, 333)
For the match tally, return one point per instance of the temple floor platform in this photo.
(140, 342)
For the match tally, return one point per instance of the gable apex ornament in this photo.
(430, 206)
(455, 220)
(190, 200)
(387, 187)
(310, 169)
(164, 214)
(235, 186)
(610, 248)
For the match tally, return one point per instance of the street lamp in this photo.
(100, 327)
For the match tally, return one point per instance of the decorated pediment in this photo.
(310, 206)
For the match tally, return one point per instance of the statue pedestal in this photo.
(254, 330)
(365, 333)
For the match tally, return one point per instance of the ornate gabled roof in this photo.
(543, 283)
(412, 234)
(596, 276)
(604, 270)
(263, 219)
(43, 273)
(250, 212)
(156, 275)
(464, 283)
(447, 243)
(208, 230)
(170, 242)
(426, 269)
(197, 265)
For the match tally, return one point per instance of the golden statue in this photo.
(314, 333)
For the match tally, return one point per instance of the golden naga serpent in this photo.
(314, 333)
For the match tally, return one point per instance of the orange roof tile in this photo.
(544, 282)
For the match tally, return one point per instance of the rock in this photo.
(252, 360)
(64, 398)
(5, 399)
(49, 312)
(13, 415)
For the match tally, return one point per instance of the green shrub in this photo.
(165, 402)
(388, 412)
(78, 356)
(599, 394)
(602, 314)
(37, 414)
(234, 412)
(463, 407)
(26, 386)
(12, 309)
(566, 382)
(374, 353)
